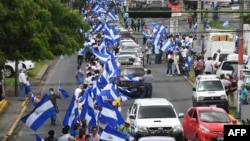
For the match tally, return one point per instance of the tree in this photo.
(38, 30)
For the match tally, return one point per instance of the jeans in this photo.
(187, 71)
(79, 60)
(53, 119)
(147, 92)
(148, 59)
(169, 68)
(242, 102)
(157, 58)
(22, 91)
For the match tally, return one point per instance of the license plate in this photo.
(212, 105)
(220, 138)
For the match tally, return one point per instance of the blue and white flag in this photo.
(112, 15)
(88, 110)
(102, 57)
(166, 45)
(38, 138)
(131, 78)
(146, 35)
(195, 27)
(98, 27)
(42, 111)
(125, 90)
(109, 114)
(226, 24)
(124, 97)
(63, 92)
(111, 134)
(32, 99)
(112, 35)
(83, 51)
(28, 88)
(71, 114)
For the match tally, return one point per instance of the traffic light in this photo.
(150, 12)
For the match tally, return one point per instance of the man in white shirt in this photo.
(22, 83)
(65, 135)
(208, 66)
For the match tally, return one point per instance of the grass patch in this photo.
(219, 25)
(38, 66)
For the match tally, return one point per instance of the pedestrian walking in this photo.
(176, 62)
(243, 99)
(148, 88)
(51, 136)
(170, 61)
(79, 75)
(53, 97)
(190, 21)
(138, 24)
(22, 84)
(148, 52)
(80, 57)
(208, 66)
(198, 66)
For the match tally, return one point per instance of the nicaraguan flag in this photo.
(102, 57)
(187, 43)
(111, 134)
(88, 110)
(71, 114)
(109, 115)
(28, 88)
(112, 35)
(32, 99)
(38, 138)
(63, 92)
(166, 45)
(125, 90)
(195, 27)
(83, 51)
(146, 35)
(42, 111)
(112, 15)
(102, 47)
(131, 78)
(98, 27)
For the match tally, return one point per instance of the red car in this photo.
(205, 123)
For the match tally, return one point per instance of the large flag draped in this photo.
(111, 134)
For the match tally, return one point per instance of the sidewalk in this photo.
(11, 109)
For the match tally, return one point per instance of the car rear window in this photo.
(156, 112)
(132, 71)
(214, 116)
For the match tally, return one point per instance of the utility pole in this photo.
(199, 24)
(240, 53)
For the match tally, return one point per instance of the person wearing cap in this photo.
(22, 83)
(126, 129)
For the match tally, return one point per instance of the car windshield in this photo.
(156, 112)
(132, 71)
(214, 116)
(215, 85)
(124, 58)
(128, 52)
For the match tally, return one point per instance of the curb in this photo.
(42, 72)
(3, 105)
(14, 125)
(230, 116)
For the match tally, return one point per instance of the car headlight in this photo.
(142, 129)
(204, 129)
(177, 128)
(200, 98)
(223, 97)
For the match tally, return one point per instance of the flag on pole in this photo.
(63, 92)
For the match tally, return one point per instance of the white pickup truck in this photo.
(9, 66)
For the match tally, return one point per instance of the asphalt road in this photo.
(176, 89)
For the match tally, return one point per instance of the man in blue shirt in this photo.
(243, 99)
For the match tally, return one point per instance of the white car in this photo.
(208, 90)
(128, 58)
(9, 66)
(154, 117)
(235, 7)
(157, 138)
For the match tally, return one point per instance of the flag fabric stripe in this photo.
(112, 134)
(38, 138)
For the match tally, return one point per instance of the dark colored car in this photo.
(133, 89)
